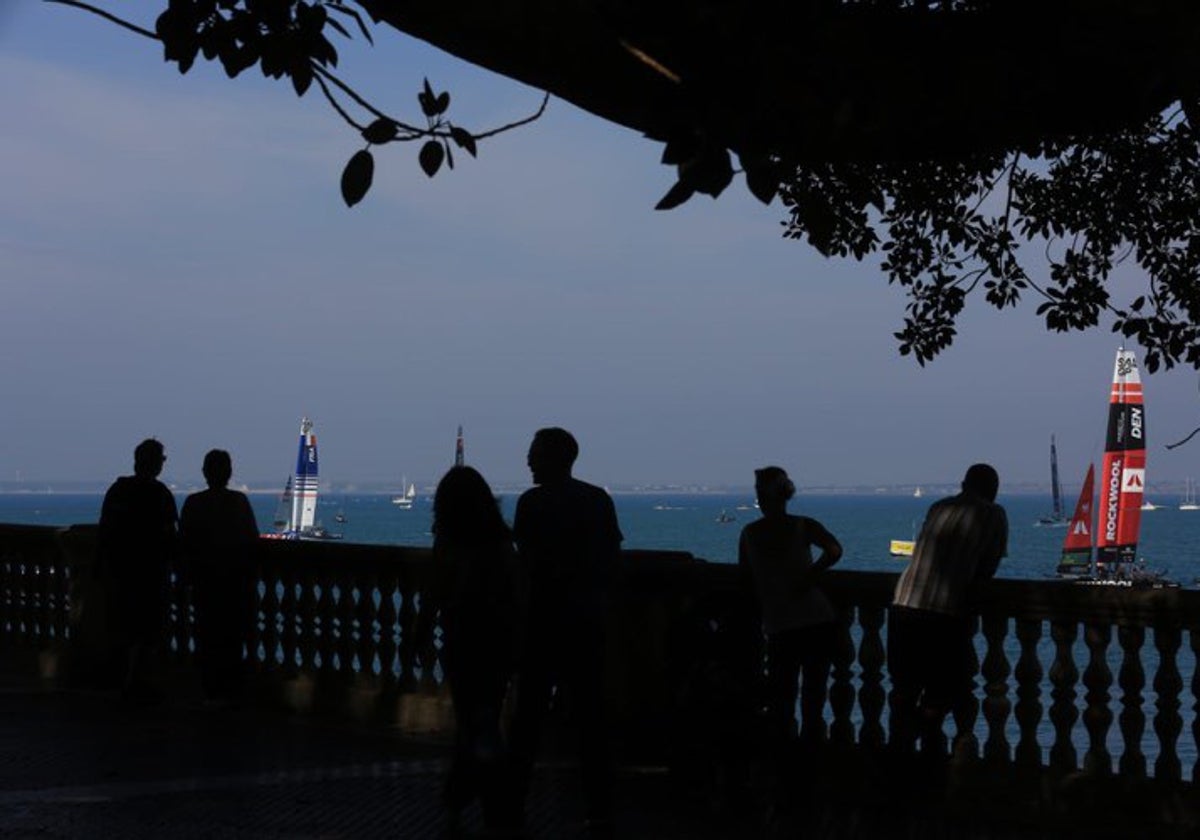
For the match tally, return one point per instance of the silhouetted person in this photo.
(930, 657)
(219, 537)
(136, 547)
(474, 589)
(569, 542)
(776, 553)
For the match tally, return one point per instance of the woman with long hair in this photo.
(474, 591)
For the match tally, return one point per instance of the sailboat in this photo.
(1122, 485)
(295, 518)
(1189, 498)
(1056, 511)
(405, 498)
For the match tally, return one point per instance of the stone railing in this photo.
(1075, 683)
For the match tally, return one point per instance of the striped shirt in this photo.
(961, 541)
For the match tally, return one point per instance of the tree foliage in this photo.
(947, 228)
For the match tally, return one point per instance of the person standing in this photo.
(930, 656)
(568, 542)
(776, 556)
(135, 549)
(219, 537)
(473, 589)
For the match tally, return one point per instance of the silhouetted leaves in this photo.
(431, 157)
(381, 131)
(464, 139)
(357, 177)
(675, 196)
(433, 105)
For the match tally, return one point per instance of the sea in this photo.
(708, 525)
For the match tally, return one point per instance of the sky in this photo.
(176, 261)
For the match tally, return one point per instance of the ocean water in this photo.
(1170, 538)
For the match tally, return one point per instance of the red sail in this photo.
(1123, 474)
(1076, 558)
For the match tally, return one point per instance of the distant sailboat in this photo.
(1056, 511)
(1189, 498)
(404, 500)
(918, 493)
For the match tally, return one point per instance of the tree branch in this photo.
(109, 16)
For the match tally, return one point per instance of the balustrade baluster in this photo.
(271, 627)
(1097, 716)
(60, 615)
(1194, 639)
(303, 619)
(966, 745)
(1028, 710)
(871, 658)
(24, 583)
(389, 630)
(7, 596)
(407, 627)
(326, 612)
(1132, 679)
(996, 705)
(346, 611)
(366, 624)
(1168, 683)
(1063, 678)
(841, 691)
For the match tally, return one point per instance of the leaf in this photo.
(431, 156)
(449, 154)
(428, 101)
(382, 130)
(675, 196)
(442, 102)
(357, 176)
(463, 138)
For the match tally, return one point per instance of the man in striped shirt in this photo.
(930, 657)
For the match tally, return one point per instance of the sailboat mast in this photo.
(1123, 474)
(458, 449)
(1055, 487)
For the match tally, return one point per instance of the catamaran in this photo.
(1122, 485)
(295, 518)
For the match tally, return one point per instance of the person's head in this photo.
(982, 480)
(464, 507)
(773, 489)
(218, 468)
(148, 458)
(552, 454)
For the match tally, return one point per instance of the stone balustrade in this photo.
(1075, 682)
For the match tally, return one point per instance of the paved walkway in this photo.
(86, 765)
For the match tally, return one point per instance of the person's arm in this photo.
(831, 549)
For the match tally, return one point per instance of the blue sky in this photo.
(176, 261)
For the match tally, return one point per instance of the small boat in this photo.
(1189, 498)
(295, 517)
(340, 517)
(1149, 505)
(724, 517)
(1056, 509)
(901, 548)
(918, 493)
